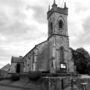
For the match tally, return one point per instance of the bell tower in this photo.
(57, 20)
(60, 54)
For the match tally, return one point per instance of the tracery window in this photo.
(60, 24)
(62, 53)
(51, 25)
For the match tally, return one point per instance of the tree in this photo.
(81, 59)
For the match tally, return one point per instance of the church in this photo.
(53, 55)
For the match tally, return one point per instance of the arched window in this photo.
(62, 53)
(60, 24)
(51, 25)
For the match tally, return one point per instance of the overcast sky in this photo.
(23, 23)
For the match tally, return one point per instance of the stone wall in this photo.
(13, 68)
(55, 43)
(37, 59)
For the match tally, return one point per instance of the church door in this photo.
(18, 68)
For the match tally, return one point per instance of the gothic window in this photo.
(51, 27)
(60, 24)
(33, 57)
(62, 53)
(29, 57)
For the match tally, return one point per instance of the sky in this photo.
(23, 24)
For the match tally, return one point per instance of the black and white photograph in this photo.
(44, 44)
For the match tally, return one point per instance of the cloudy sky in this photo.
(23, 23)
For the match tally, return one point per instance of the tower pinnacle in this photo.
(49, 8)
(65, 5)
(54, 2)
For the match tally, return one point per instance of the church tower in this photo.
(60, 54)
(57, 20)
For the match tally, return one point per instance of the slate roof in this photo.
(6, 67)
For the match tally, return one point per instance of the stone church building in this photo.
(52, 55)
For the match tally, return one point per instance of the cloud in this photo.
(23, 23)
(40, 14)
(84, 38)
(19, 29)
(79, 13)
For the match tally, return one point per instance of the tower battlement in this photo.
(57, 9)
